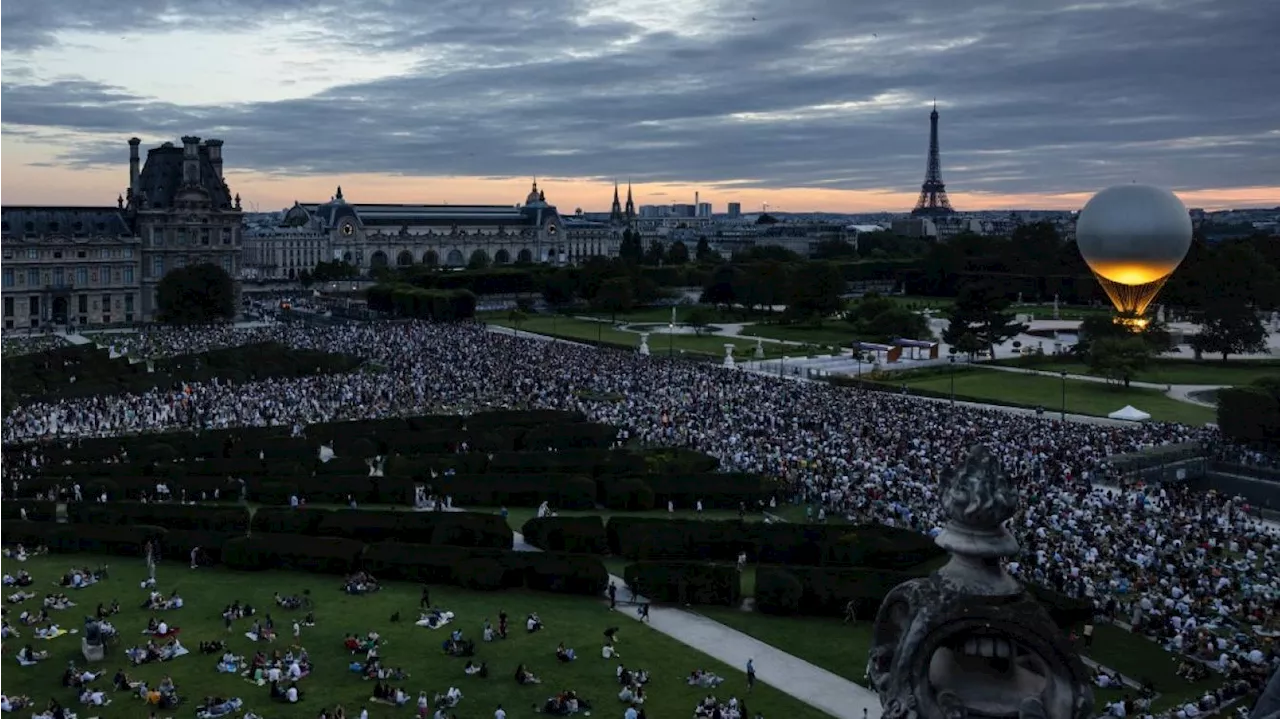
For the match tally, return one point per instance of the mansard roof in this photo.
(397, 215)
(162, 178)
(71, 221)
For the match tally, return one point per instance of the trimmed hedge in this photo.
(233, 520)
(36, 510)
(328, 555)
(287, 520)
(29, 534)
(686, 582)
(178, 543)
(129, 541)
(462, 529)
(824, 591)
(575, 535)
(516, 490)
(487, 568)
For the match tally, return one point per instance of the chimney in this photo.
(190, 160)
(135, 168)
(215, 156)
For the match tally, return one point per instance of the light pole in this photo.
(1064, 396)
(671, 340)
(952, 359)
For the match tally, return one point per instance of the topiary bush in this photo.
(480, 573)
(575, 535)
(777, 591)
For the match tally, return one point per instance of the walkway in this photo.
(790, 675)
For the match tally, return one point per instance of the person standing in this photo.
(425, 601)
(613, 595)
(499, 713)
(751, 674)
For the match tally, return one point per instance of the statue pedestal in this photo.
(92, 652)
(728, 356)
(759, 349)
(644, 343)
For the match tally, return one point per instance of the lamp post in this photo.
(952, 359)
(1064, 396)
(671, 335)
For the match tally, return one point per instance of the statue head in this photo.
(968, 640)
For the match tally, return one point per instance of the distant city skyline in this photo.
(818, 105)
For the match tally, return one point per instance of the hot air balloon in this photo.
(1133, 237)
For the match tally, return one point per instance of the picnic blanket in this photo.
(26, 663)
(444, 618)
(57, 634)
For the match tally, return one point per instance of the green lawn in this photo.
(833, 332)
(576, 621)
(663, 314)
(1082, 397)
(1237, 372)
(517, 516)
(842, 649)
(828, 643)
(575, 329)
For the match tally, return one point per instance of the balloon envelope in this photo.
(1133, 234)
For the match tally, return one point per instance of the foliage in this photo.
(879, 319)
(699, 318)
(333, 270)
(719, 290)
(1230, 327)
(833, 249)
(576, 535)
(703, 251)
(408, 301)
(1251, 413)
(978, 319)
(631, 249)
(1119, 358)
(762, 284)
(559, 288)
(656, 254)
(820, 294)
(686, 582)
(678, 253)
(616, 295)
(766, 253)
(196, 294)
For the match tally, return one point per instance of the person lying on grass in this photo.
(75, 678)
(20, 597)
(707, 680)
(27, 655)
(39, 616)
(158, 602)
(12, 703)
(94, 697)
(289, 601)
(472, 669)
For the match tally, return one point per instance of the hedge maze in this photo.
(86, 370)
(505, 458)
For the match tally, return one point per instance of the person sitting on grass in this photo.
(707, 680)
(32, 618)
(291, 601)
(533, 623)
(360, 583)
(213, 647)
(104, 612)
(94, 697)
(21, 579)
(472, 669)
(55, 600)
(458, 647)
(213, 707)
(524, 676)
(488, 632)
(608, 652)
(566, 703)
(565, 655)
(121, 682)
(49, 632)
(75, 678)
(13, 703)
(449, 699)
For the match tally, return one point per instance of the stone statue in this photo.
(1055, 308)
(968, 640)
(759, 349)
(644, 343)
(728, 356)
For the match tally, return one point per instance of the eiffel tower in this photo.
(933, 200)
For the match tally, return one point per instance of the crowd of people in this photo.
(1194, 570)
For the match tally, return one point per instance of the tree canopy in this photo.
(196, 294)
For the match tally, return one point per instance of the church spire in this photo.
(631, 204)
(615, 212)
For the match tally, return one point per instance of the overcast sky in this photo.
(807, 104)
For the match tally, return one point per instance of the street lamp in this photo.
(952, 358)
(1064, 396)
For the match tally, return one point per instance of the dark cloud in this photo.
(1035, 95)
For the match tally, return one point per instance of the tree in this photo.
(615, 296)
(880, 319)
(304, 278)
(979, 309)
(517, 318)
(1119, 358)
(703, 251)
(833, 249)
(719, 289)
(818, 295)
(479, 260)
(196, 294)
(333, 270)
(631, 250)
(656, 254)
(1230, 327)
(699, 318)
(678, 253)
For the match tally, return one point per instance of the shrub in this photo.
(575, 535)
(686, 582)
(519, 490)
(178, 543)
(480, 573)
(563, 573)
(716, 490)
(28, 534)
(472, 529)
(1065, 611)
(628, 494)
(414, 562)
(129, 541)
(36, 511)
(777, 591)
(287, 520)
(330, 555)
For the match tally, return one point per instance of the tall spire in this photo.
(933, 201)
(615, 212)
(631, 204)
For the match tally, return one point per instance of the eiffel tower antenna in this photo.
(933, 200)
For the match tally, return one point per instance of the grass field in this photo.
(1082, 397)
(517, 516)
(575, 329)
(1237, 372)
(833, 332)
(843, 648)
(578, 622)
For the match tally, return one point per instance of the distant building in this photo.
(88, 266)
(735, 210)
(277, 252)
(704, 209)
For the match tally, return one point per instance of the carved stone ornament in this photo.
(968, 641)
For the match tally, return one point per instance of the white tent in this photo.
(1130, 413)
